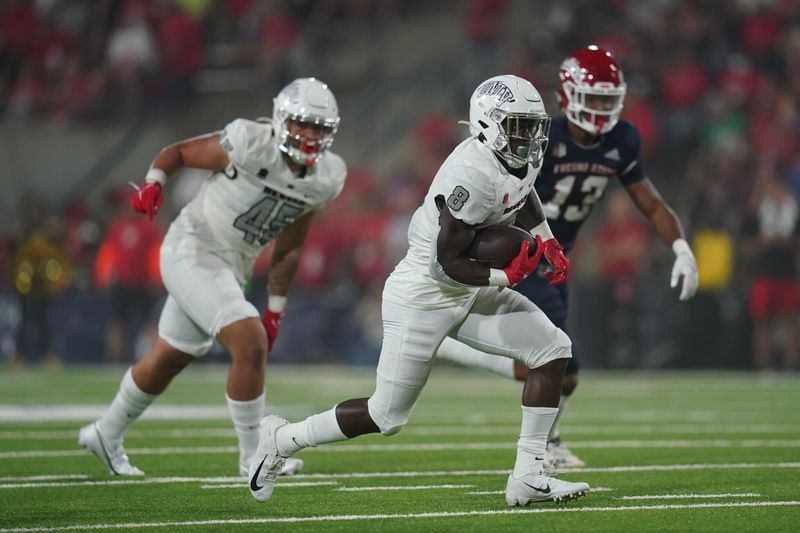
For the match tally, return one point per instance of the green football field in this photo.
(664, 451)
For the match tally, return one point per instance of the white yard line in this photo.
(486, 492)
(691, 496)
(402, 487)
(436, 446)
(358, 518)
(401, 474)
(500, 429)
(86, 412)
(43, 478)
(243, 482)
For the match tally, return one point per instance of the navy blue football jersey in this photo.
(574, 177)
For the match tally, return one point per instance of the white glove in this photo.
(685, 267)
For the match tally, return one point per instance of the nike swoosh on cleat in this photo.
(545, 490)
(539, 458)
(253, 484)
(295, 441)
(105, 453)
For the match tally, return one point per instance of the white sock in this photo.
(536, 423)
(314, 430)
(246, 416)
(129, 403)
(555, 431)
(460, 353)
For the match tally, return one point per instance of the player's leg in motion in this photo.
(506, 323)
(553, 300)
(410, 338)
(140, 386)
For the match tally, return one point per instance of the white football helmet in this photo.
(507, 114)
(309, 101)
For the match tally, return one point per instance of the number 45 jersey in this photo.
(575, 177)
(243, 207)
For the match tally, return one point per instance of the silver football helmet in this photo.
(507, 114)
(309, 102)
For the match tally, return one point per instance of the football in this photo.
(497, 246)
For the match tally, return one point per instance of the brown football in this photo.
(496, 246)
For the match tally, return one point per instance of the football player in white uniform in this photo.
(436, 291)
(269, 178)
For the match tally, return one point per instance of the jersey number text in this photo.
(592, 188)
(266, 219)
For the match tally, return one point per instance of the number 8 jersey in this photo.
(246, 205)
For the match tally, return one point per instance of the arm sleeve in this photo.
(244, 140)
(631, 169)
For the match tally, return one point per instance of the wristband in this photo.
(681, 247)
(276, 304)
(156, 175)
(498, 278)
(542, 230)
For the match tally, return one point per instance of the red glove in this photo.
(148, 199)
(271, 321)
(554, 254)
(523, 265)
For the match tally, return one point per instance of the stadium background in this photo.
(90, 91)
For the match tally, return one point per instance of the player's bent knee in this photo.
(388, 431)
(560, 347)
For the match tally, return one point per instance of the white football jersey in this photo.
(478, 190)
(247, 204)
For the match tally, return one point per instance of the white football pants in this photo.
(496, 321)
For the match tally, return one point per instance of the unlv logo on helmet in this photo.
(498, 89)
(592, 89)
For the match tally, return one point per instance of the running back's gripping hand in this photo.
(554, 254)
(147, 199)
(271, 321)
(523, 265)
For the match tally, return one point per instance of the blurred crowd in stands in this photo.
(714, 88)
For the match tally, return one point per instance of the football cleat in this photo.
(558, 455)
(291, 467)
(111, 453)
(267, 462)
(539, 487)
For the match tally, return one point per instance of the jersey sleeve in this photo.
(245, 141)
(469, 194)
(338, 175)
(631, 169)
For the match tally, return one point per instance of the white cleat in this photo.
(111, 453)
(559, 456)
(532, 488)
(267, 462)
(291, 467)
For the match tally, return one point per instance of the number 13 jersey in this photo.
(243, 207)
(575, 177)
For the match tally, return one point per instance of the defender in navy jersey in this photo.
(589, 148)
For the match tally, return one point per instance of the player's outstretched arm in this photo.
(668, 228)
(285, 258)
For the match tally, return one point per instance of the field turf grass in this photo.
(664, 452)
